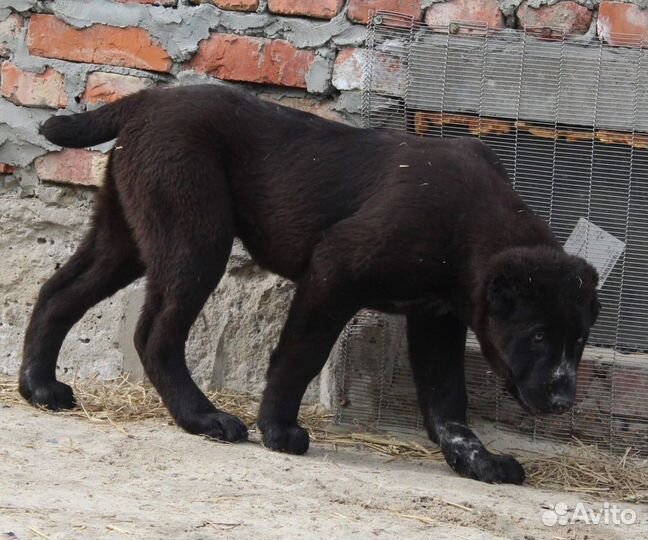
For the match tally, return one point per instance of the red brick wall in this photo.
(53, 61)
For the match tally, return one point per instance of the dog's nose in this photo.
(562, 389)
(561, 402)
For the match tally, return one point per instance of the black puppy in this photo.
(357, 218)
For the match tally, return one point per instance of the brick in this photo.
(108, 87)
(350, 64)
(318, 9)
(99, 44)
(5, 168)
(46, 89)
(348, 69)
(359, 10)
(622, 24)
(234, 5)
(73, 166)
(9, 29)
(241, 58)
(319, 108)
(566, 17)
(484, 11)
(150, 2)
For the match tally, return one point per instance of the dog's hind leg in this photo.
(187, 233)
(106, 261)
(173, 301)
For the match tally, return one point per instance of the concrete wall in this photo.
(74, 55)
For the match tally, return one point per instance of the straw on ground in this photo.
(579, 468)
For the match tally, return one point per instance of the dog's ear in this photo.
(583, 282)
(582, 275)
(502, 296)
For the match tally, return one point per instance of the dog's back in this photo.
(290, 176)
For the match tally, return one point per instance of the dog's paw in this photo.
(216, 425)
(291, 439)
(500, 469)
(487, 467)
(467, 456)
(53, 395)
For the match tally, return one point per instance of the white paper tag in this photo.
(599, 248)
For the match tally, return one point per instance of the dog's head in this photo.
(535, 310)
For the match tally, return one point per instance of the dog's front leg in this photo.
(320, 309)
(436, 347)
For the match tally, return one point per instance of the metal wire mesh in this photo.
(568, 117)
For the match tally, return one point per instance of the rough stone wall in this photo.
(72, 55)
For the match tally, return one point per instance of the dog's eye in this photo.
(539, 336)
(580, 340)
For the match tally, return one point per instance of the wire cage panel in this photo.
(568, 117)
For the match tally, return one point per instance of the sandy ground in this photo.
(67, 478)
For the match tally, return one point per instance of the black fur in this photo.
(357, 218)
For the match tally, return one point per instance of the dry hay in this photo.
(585, 469)
(121, 401)
(578, 468)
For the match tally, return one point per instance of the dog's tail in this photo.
(93, 127)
